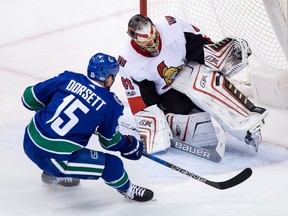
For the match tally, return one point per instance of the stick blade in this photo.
(238, 179)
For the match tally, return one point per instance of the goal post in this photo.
(263, 23)
(143, 7)
(277, 12)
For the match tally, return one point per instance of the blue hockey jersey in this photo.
(69, 109)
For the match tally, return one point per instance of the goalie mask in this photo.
(142, 30)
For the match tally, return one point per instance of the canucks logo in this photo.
(94, 154)
(117, 100)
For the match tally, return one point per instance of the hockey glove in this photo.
(134, 149)
(229, 56)
(241, 47)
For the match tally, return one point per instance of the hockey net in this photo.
(262, 23)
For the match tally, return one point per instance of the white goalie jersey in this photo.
(137, 65)
(207, 87)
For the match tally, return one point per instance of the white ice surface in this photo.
(40, 39)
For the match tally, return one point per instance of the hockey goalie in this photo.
(176, 79)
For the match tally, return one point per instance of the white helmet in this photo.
(142, 30)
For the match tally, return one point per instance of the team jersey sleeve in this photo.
(132, 91)
(38, 96)
(108, 132)
(194, 47)
(195, 41)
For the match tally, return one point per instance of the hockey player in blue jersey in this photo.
(70, 108)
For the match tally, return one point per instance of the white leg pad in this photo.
(211, 92)
(195, 129)
(154, 129)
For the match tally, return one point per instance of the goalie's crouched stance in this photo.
(210, 90)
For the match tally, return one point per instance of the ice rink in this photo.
(40, 39)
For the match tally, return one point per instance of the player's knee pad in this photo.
(196, 129)
(154, 129)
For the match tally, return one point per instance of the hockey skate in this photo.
(254, 139)
(137, 193)
(64, 181)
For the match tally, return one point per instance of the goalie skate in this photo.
(64, 181)
(254, 139)
(137, 193)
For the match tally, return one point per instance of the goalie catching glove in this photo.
(134, 149)
(228, 56)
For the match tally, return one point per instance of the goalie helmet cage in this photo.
(263, 23)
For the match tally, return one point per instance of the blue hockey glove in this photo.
(134, 149)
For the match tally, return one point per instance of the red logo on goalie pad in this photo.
(203, 81)
(211, 59)
(145, 123)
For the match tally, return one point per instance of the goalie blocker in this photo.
(229, 56)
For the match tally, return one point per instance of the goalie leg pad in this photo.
(195, 129)
(215, 95)
(154, 129)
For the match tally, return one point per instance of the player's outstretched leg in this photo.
(64, 181)
(137, 193)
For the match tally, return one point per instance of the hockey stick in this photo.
(214, 155)
(129, 126)
(239, 178)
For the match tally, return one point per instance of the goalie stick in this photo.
(238, 179)
(210, 153)
(205, 153)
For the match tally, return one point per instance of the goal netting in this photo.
(263, 23)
